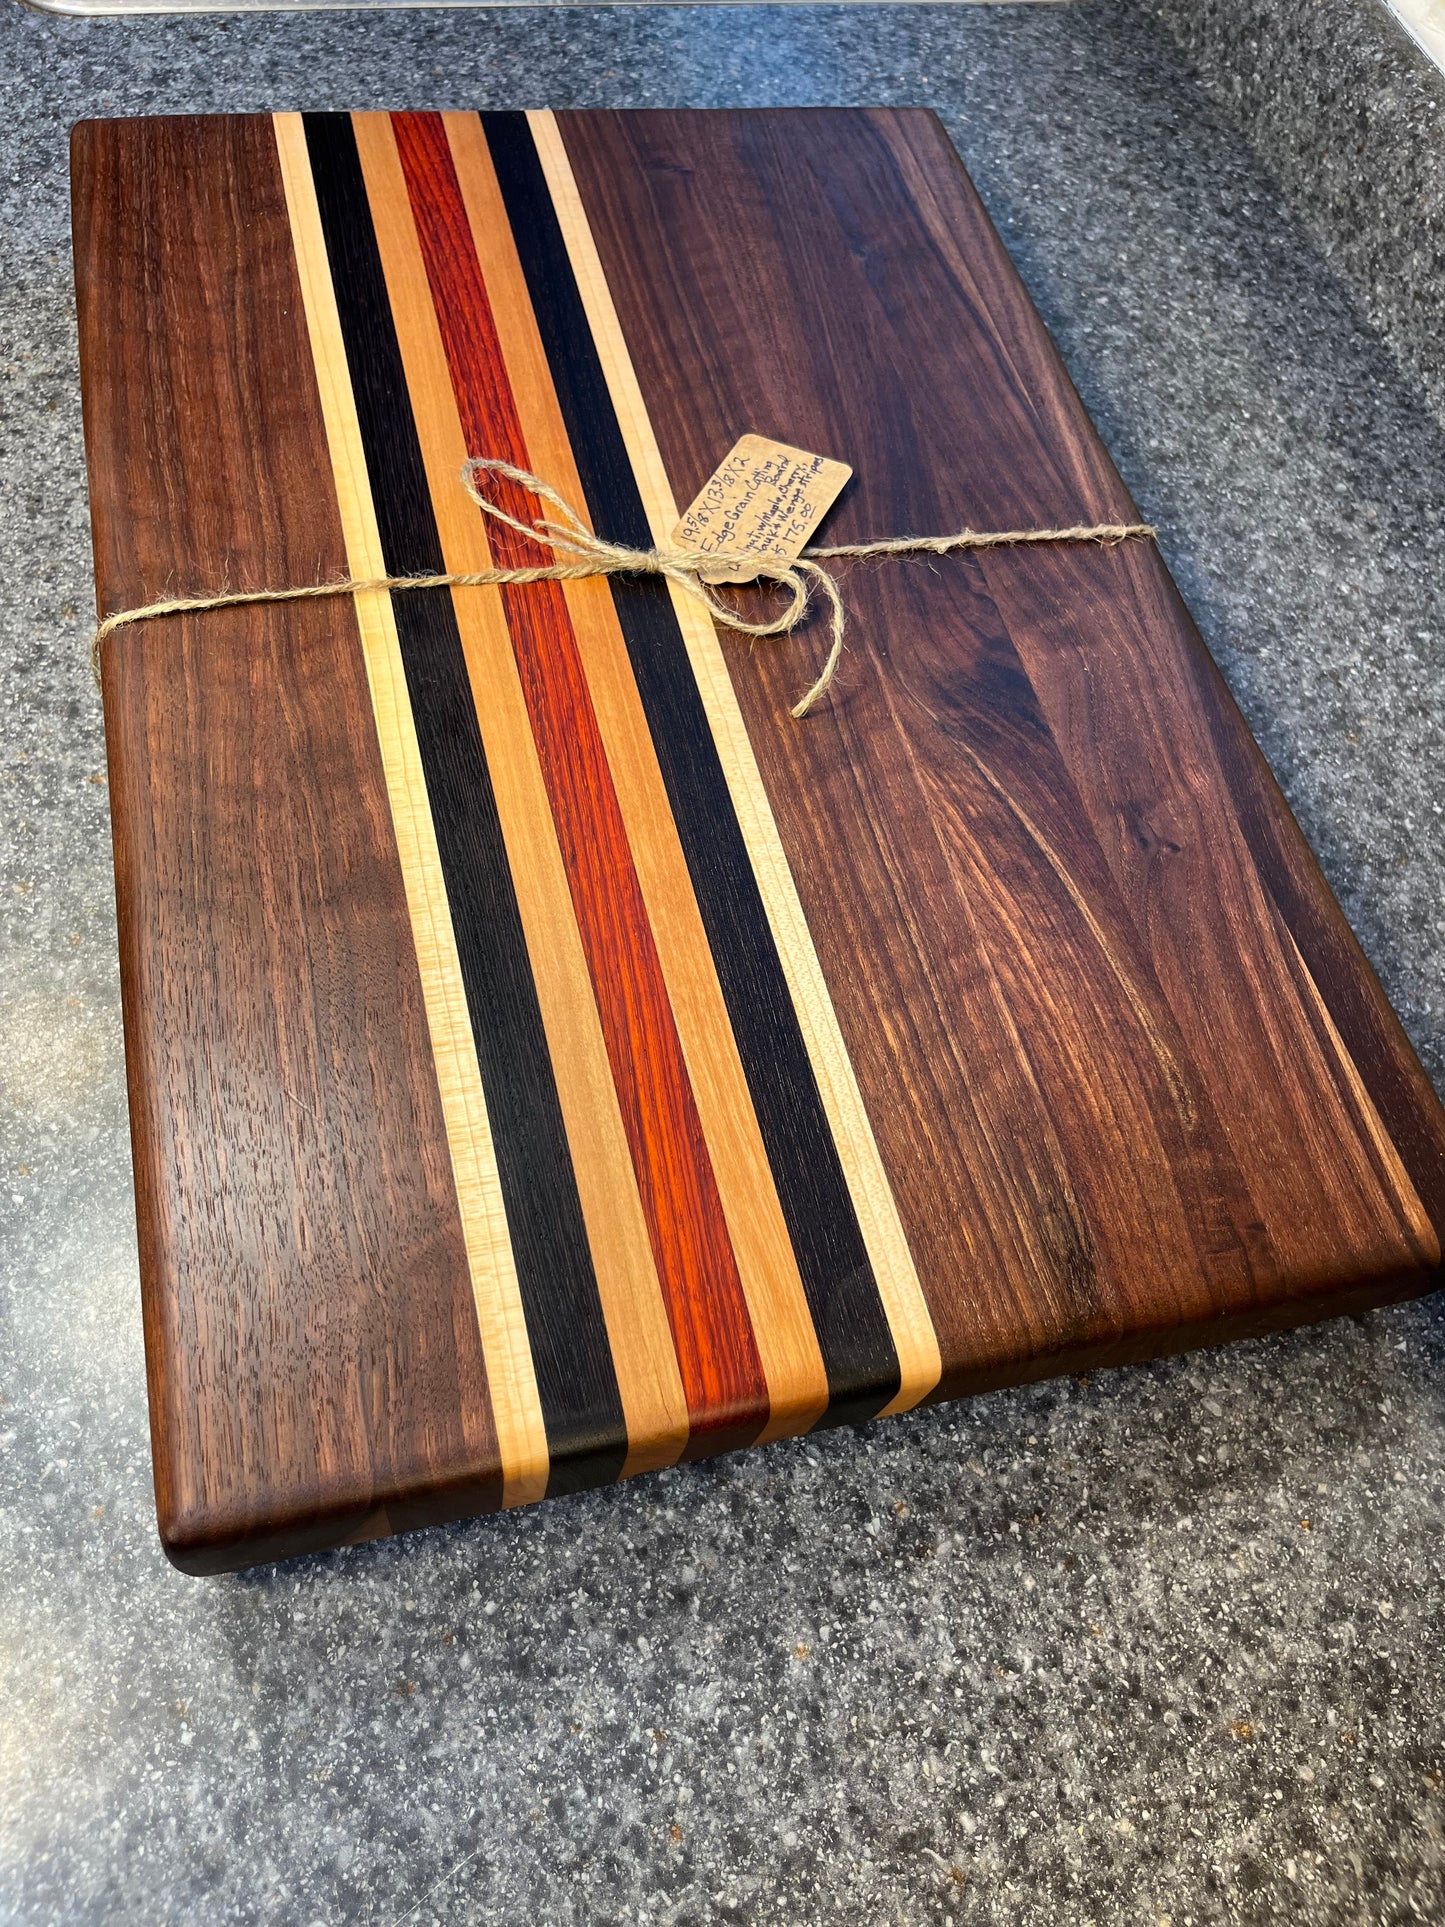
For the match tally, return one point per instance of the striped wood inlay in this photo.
(1079, 989)
(637, 1329)
(843, 1302)
(920, 1364)
(721, 1372)
(787, 1343)
(581, 1409)
(511, 1379)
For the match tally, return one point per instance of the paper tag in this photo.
(764, 499)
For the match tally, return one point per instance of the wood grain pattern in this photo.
(717, 1354)
(547, 1059)
(1071, 987)
(516, 1409)
(568, 1389)
(648, 1380)
(892, 1262)
(311, 1341)
(787, 1344)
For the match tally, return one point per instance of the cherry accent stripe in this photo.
(837, 1275)
(721, 1373)
(586, 1437)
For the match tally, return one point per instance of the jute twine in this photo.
(583, 555)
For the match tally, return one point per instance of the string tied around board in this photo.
(582, 555)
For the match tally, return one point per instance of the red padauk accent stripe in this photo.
(721, 1373)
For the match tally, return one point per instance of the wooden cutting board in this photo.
(547, 1059)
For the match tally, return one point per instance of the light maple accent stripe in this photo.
(914, 1338)
(1392, 1176)
(511, 1381)
(777, 1305)
(638, 1333)
(727, 1395)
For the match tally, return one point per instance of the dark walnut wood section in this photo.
(312, 1349)
(547, 1060)
(1135, 1084)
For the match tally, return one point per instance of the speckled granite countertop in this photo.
(1348, 113)
(1165, 1645)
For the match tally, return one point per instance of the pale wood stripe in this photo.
(512, 1385)
(904, 1305)
(638, 1333)
(777, 1304)
(1392, 1177)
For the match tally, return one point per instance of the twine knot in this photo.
(684, 567)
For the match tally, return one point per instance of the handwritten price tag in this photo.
(764, 499)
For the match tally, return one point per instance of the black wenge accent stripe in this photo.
(842, 1295)
(581, 1408)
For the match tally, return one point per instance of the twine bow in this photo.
(592, 555)
(684, 567)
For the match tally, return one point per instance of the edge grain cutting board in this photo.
(547, 1059)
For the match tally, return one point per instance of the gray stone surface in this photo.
(1348, 113)
(1065, 1655)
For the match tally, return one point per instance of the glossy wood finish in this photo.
(841, 1211)
(514, 1223)
(1015, 834)
(768, 1272)
(547, 1058)
(696, 1265)
(639, 1338)
(311, 1340)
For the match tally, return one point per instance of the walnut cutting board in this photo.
(547, 1059)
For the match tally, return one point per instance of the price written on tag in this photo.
(764, 499)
